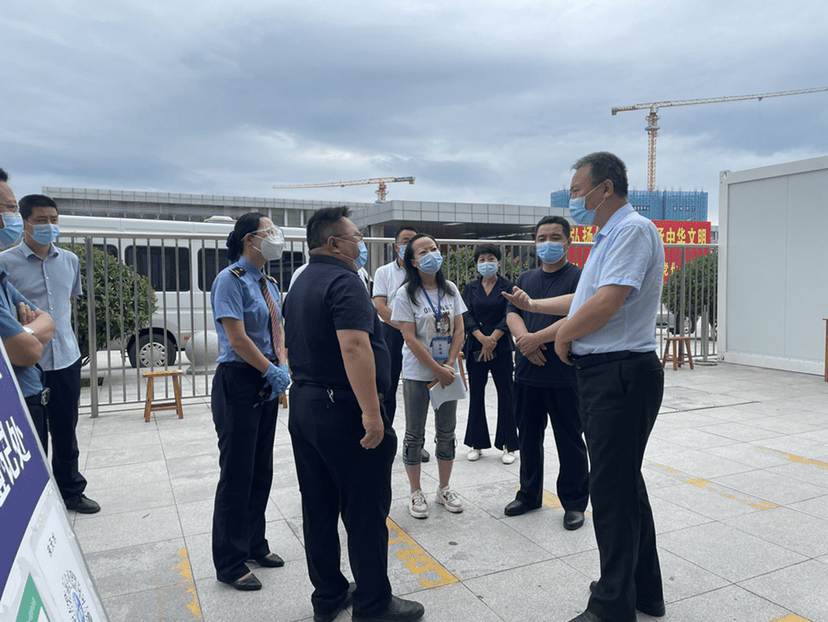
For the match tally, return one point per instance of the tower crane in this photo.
(652, 118)
(381, 191)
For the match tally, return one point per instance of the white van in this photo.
(180, 259)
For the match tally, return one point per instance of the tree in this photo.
(123, 299)
(460, 266)
(701, 288)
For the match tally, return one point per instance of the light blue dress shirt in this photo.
(626, 251)
(27, 377)
(241, 298)
(50, 284)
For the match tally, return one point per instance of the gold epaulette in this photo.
(237, 272)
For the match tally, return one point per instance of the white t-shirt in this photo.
(434, 335)
(387, 280)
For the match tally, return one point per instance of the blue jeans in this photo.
(416, 401)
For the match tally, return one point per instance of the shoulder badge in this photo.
(237, 272)
(272, 280)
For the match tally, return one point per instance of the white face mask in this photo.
(273, 245)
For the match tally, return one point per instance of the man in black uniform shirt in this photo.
(545, 386)
(342, 443)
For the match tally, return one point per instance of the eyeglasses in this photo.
(274, 230)
(359, 237)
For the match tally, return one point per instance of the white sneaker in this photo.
(474, 455)
(418, 507)
(508, 457)
(448, 498)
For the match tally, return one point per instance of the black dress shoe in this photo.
(573, 520)
(398, 610)
(517, 507)
(587, 616)
(248, 583)
(81, 503)
(424, 455)
(271, 560)
(347, 601)
(657, 610)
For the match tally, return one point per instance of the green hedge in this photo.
(126, 294)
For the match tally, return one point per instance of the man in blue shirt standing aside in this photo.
(49, 276)
(609, 336)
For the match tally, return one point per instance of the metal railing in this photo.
(124, 334)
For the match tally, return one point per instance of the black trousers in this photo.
(41, 424)
(338, 477)
(533, 406)
(245, 441)
(477, 429)
(62, 412)
(394, 341)
(619, 405)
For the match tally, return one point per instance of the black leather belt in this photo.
(585, 361)
(39, 399)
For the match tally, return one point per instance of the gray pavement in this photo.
(737, 469)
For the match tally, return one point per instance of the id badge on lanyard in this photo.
(440, 344)
(440, 348)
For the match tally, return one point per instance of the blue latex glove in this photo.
(278, 377)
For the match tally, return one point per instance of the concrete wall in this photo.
(773, 266)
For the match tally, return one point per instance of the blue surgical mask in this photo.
(550, 252)
(579, 212)
(487, 268)
(402, 251)
(363, 255)
(12, 229)
(45, 234)
(431, 262)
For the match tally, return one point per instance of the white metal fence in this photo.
(126, 338)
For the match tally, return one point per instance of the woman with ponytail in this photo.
(251, 375)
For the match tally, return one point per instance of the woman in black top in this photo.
(488, 348)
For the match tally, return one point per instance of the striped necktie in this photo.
(275, 327)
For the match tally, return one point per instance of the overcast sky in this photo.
(484, 101)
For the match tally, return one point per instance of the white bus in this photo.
(180, 259)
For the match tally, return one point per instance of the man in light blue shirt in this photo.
(609, 335)
(24, 329)
(49, 276)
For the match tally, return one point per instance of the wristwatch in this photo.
(28, 330)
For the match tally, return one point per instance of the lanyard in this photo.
(438, 311)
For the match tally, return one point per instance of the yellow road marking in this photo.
(186, 572)
(552, 501)
(727, 493)
(417, 560)
(800, 459)
(792, 618)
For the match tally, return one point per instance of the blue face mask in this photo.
(363, 255)
(579, 212)
(549, 252)
(431, 262)
(12, 229)
(402, 251)
(45, 234)
(487, 268)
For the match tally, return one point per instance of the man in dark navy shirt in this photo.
(342, 443)
(545, 386)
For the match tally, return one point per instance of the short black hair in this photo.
(403, 228)
(604, 165)
(486, 248)
(553, 220)
(4, 176)
(247, 223)
(323, 223)
(30, 201)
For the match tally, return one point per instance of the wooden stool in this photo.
(176, 404)
(681, 352)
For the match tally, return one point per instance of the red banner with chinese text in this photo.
(672, 232)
